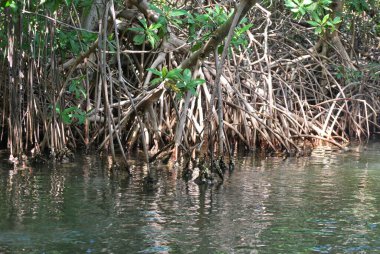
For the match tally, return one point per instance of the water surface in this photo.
(327, 203)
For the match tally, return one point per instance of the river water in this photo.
(326, 203)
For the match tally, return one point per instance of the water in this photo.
(328, 203)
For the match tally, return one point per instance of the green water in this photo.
(328, 203)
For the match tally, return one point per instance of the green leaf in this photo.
(152, 40)
(316, 17)
(307, 2)
(220, 49)
(245, 28)
(143, 22)
(155, 71)
(312, 7)
(325, 18)
(196, 47)
(66, 119)
(156, 81)
(11, 4)
(187, 75)
(69, 110)
(190, 20)
(179, 95)
(176, 13)
(302, 11)
(193, 91)
(198, 82)
(164, 71)
(313, 23)
(327, 8)
(181, 85)
(174, 74)
(81, 117)
(294, 10)
(74, 46)
(290, 4)
(139, 39)
(155, 26)
(337, 20)
(155, 8)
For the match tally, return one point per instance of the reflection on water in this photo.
(328, 203)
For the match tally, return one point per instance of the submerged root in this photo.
(64, 155)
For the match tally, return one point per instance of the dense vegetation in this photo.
(177, 77)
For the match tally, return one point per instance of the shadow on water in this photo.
(326, 203)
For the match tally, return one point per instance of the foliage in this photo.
(74, 42)
(321, 26)
(200, 25)
(178, 80)
(11, 4)
(358, 5)
(77, 88)
(146, 33)
(349, 75)
(318, 14)
(71, 115)
(187, 83)
(169, 15)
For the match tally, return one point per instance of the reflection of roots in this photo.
(64, 155)
(205, 171)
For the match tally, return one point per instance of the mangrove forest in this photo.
(189, 126)
(187, 80)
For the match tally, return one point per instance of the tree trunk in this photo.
(333, 38)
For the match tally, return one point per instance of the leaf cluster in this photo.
(200, 26)
(74, 41)
(146, 32)
(348, 75)
(77, 88)
(317, 14)
(178, 80)
(71, 115)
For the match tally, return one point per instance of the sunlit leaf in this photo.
(325, 18)
(174, 74)
(151, 40)
(337, 20)
(187, 75)
(307, 2)
(164, 71)
(316, 17)
(155, 26)
(290, 4)
(313, 23)
(176, 13)
(245, 28)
